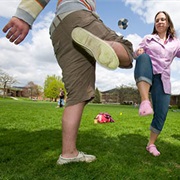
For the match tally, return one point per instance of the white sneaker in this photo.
(81, 157)
(102, 52)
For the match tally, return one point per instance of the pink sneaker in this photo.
(145, 108)
(153, 150)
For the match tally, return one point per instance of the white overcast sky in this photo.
(34, 59)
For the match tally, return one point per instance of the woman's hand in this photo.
(139, 51)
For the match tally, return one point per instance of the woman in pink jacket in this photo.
(152, 73)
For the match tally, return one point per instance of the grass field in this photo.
(30, 143)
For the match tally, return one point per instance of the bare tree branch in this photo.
(5, 81)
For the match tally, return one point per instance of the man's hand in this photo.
(16, 29)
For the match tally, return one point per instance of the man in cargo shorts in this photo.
(79, 39)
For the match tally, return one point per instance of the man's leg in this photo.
(109, 54)
(102, 52)
(78, 70)
(70, 125)
(121, 53)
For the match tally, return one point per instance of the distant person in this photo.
(61, 98)
(152, 73)
(79, 38)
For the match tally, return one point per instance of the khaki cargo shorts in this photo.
(78, 67)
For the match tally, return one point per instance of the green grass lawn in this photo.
(30, 143)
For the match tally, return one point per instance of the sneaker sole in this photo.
(100, 50)
(67, 161)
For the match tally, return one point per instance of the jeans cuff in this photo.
(141, 78)
(154, 130)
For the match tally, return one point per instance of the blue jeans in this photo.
(160, 100)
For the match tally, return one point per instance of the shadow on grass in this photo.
(33, 155)
(176, 136)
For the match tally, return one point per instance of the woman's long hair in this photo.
(170, 31)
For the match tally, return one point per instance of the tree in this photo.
(5, 81)
(97, 98)
(32, 90)
(52, 86)
(127, 93)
